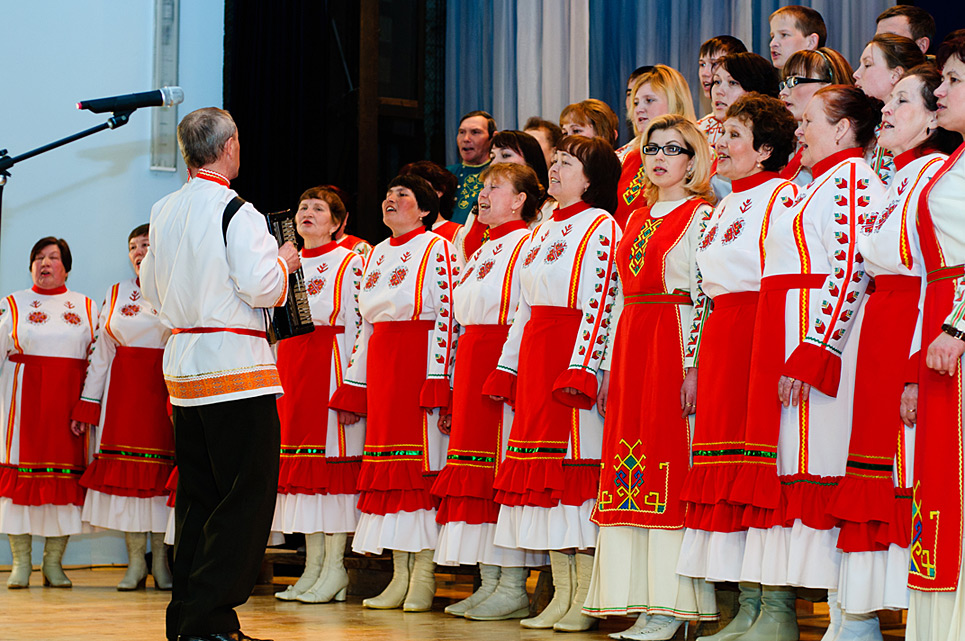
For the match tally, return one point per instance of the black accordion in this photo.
(294, 318)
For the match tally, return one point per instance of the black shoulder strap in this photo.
(229, 213)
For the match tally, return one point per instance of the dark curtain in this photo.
(290, 82)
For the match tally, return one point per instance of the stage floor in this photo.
(94, 609)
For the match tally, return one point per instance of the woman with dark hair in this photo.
(803, 74)
(547, 134)
(591, 118)
(936, 571)
(320, 457)
(134, 458)
(799, 406)
(873, 501)
(886, 58)
(398, 378)
(45, 334)
(758, 139)
(547, 484)
(444, 184)
(648, 394)
(710, 52)
(485, 299)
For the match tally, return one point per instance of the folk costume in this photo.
(936, 570)
(793, 457)
(209, 286)
(547, 484)
(646, 446)
(471, 236)
(794, 171)
(398, 372)
(873, 501)
(467, 190)
(125, 395)
(630, 196)
(320, 457)
(881, 160)
(356, 244)
(712, 128)
(447, 229)
(730, 257)
(44, 339)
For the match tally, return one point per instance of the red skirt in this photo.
(137, 443)
(465, 484)
(757, 486)
(725, 368)
(304, 367)
(536, 470)
(395, 475)
(865, 499)
(52, 459)
(646, 441)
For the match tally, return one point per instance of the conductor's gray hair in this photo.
(202, 135)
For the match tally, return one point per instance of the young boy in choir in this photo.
(795, 28)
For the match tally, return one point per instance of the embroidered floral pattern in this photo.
(315, 286)
(37, 318)
(531, 256)
(555, 251)
(372, 280)
(131, 310)
(484, 269)
(707, 239)
(397, 276)
(733, 232)
(71, 318)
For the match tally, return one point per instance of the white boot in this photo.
(51, 568)
(394, 594)
(750, 609)
(574, 620)
(422, 583)
(859, 627)
(20, 545)
(778, 619)
(489, 578)
(508, 601)
(332, 584)
(637, 626)
(562, 596)
(136, 574)
(834, 612)
(659, 628)
(159, 562)
(313, 567)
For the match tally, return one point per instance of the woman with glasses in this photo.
(757, 141)
(649, 393)
(804, 73)
(802, 362)
(873, 500)
(886, 58)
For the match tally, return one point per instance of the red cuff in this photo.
(815, 366)
(349, 398)
(911, 373)
(86, 412)
(581, 380)
(435, 393)
(501, 383)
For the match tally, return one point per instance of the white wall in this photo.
(94, 191)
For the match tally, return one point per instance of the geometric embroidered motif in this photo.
(628, 469)
(640, 244)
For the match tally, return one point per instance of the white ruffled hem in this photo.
(798, 556)
(126, 513)
(403, 531)
(169, 529)
(462, 543)
(309, 513)
(40, 520)
(714, 556)
(547, 528)
(872, 581)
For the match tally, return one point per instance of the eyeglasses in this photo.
(671, 149)
(793, 81)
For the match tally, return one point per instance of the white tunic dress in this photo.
(34, 323)
(333, 276)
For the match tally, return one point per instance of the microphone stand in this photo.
(118, 119)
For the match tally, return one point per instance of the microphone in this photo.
(163, 97)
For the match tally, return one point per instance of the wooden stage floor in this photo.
(94, 609)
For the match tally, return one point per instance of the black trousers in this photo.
(227, 482)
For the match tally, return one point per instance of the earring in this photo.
(759, 165)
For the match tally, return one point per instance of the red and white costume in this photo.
(547, 483)
(124, 394)
(646, 445)
(320, 457)
(873, 501)
(795, 171)
(44, 339)
(447, 229)
(730, 257)
(398, 372)
(712, 128)
(485, 299)
(881, 160)
(470, 237)
(794, 457)
(630, 189)
(356, 244)
(936, 571)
